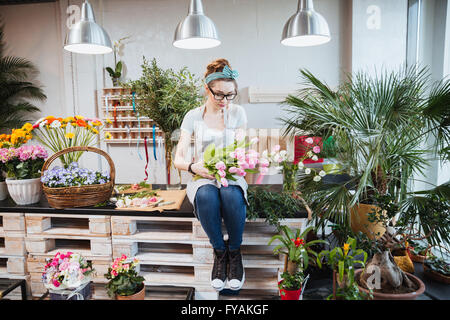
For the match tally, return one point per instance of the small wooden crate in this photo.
(75, 225)
(86, 246)
(12, 265)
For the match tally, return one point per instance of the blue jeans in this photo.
(212, 204)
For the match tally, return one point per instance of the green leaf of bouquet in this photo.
(209, 152)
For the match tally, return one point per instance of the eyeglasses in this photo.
(219, 96)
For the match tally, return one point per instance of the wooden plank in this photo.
(92, 246)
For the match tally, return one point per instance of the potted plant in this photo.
(117, 72)
(290, 285)
(23, 167)
(417, 251)
(125, 283)
(343, 261)
(378, 145)
(58, 134)
(295, 248)
(165, 96)
(437, 269)
(18, 88)
(68, 277)
(270, 205)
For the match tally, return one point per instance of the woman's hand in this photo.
(200, 170)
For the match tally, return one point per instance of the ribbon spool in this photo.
(154, 142)
(146, 158)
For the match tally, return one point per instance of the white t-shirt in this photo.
(193, 123)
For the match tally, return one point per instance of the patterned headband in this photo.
(227, 73)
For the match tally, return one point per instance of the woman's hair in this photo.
(217, 66)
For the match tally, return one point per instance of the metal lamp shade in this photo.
(86, 36)
(306, 27)
(196, 31)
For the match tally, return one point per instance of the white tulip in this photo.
(317, 178)
(307, 170)
(322, 173)
(314, 158)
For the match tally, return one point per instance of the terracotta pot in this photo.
(289, 294)
(394, 296)
(140, 295)
(417, 258)
(435, 275)
(359, 221)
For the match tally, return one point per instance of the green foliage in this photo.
(125, 283)
(117, 73)
(294, 245)
(342, 260)
(272, 206)
(291, 282)
(438, 265)
(165, 95)
(342, 233)
(379, 126)
(351, 293)
(16, 88)
(28, 169)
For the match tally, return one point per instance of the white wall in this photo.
(250, 31)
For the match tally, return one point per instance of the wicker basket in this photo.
(84, 196)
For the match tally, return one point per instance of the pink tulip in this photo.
(220, 165)
(241, 172)
(276, 148)
(251, 164)
(233, 170)
(243, 164)
(224, 182)
(222, 173)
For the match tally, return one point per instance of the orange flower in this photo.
(81, 123)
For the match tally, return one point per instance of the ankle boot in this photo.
(219, 271)
(236, 273)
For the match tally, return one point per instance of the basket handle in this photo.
(82, 148)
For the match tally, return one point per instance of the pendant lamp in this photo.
(196, 31)
(306, 27)
(86, 36)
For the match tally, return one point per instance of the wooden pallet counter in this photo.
(172, 247)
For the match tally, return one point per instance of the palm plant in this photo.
(16, 88)
(379, 126)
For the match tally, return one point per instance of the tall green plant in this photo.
(165, 96)
(378, 125)
(16, 88)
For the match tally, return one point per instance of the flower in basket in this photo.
(124, 278)
(73, 176)
(62, 133)
(232, 161)
(24, 162)
(66, 271)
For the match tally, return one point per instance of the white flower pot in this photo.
(25, 191)
(3, 190)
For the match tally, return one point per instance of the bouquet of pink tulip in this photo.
(234, 160)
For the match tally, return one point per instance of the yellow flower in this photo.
(27, 127)
(79, 117)
(107, 135)
(95, 131)
(69, 135)
(108, 120)
(346, 248)
(69, 119)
